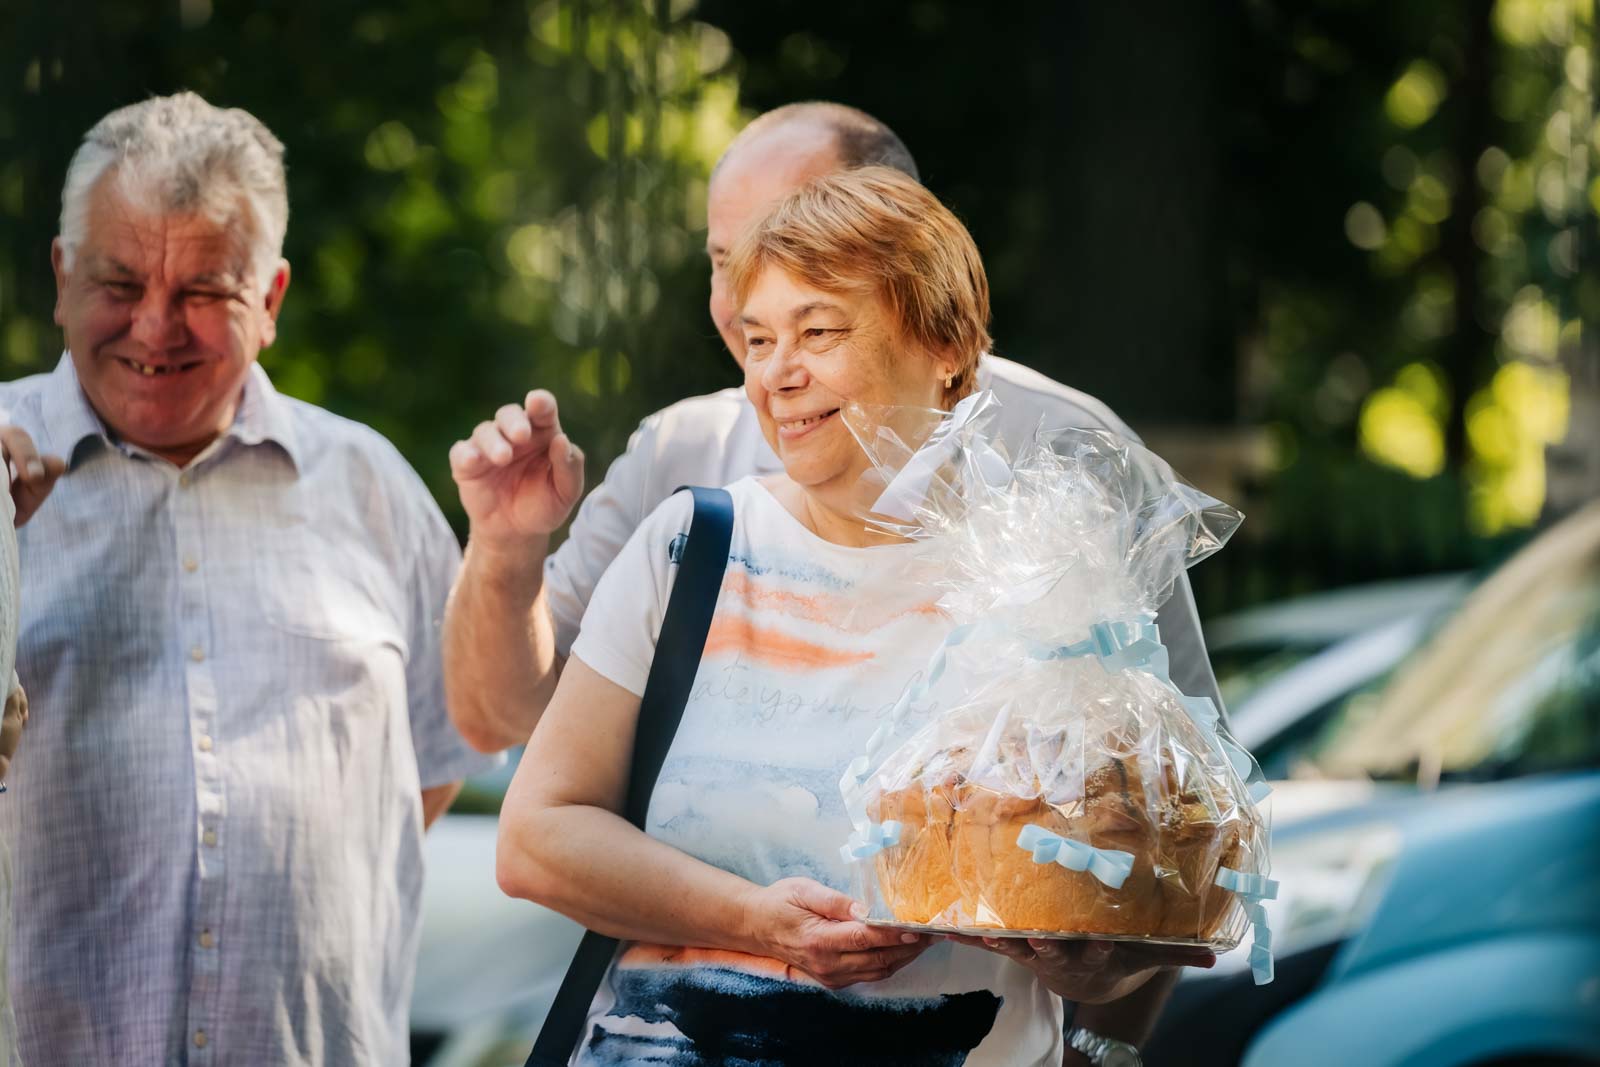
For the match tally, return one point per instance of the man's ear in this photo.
(58, 265)
(274, 302)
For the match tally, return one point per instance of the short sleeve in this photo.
(443, 755)
(610, 515)
(620, 628)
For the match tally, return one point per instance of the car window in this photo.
(1241, 671)
(1510, 685)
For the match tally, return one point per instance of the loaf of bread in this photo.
(961, 811)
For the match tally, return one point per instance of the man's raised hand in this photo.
(518, 474)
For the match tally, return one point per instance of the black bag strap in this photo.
(701, 563)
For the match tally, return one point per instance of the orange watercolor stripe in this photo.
(731, 634)
(827, 609)
(647, 955)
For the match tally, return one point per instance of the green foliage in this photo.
(484, 197)
(1356, 225)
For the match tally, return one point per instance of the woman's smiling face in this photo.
(809, 352)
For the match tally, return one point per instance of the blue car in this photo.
(1440, 858)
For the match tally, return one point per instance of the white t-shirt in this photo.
(716, 439)
(808, 650)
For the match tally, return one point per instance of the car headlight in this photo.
(1328, 887)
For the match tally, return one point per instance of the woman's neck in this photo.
(834, 520)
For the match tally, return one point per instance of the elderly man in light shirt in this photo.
(515, 610)
(230, 642)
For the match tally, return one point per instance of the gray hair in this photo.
(178, 154)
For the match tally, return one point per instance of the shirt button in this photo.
(206, 940)
(200, 1039)
(210, 838)
(184, 480)
(204, 743)
(191, 564)
(197, 653)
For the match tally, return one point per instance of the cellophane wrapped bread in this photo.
(1064, 786)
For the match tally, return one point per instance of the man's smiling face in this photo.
(164, 315)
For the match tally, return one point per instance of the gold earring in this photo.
(949, 381)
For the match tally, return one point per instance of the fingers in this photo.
(32, 486)
(566, 468)
(823, 902)
(20, 450)
(873, 966)
(850, 935)
(483, 451)
(520, 431)
(513, 424)
(540, 407)
(492, 444)
(1085, 955)
(1015, 948)
(1154, 955)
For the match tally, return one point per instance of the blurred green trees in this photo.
(484, 197)
(1343, 245)
(1364, 228)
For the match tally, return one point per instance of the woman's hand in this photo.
(1092, 972)
(816, 930)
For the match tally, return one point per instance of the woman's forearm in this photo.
(597, 868)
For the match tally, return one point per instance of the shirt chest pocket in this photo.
(313, 589)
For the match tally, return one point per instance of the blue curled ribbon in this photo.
(877, 837)
(1111, 866)
(1253, 889)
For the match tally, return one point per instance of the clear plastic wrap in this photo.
(1065, 787)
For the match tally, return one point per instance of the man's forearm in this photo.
(500, 662)
(1130, 1018)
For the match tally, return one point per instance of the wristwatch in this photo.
(1103, 1051)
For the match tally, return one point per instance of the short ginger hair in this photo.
(875, 229)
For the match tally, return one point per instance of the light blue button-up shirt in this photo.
(234, 677)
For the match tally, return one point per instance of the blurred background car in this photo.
(1448, 913)
(1252, 648)
(488, 966)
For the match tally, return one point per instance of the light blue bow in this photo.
(1253, 889)
(876, 838)
(1121, 645)
(1136, 645)
(1109, 865)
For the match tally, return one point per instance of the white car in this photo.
(488, 966)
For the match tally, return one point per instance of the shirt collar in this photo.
(72, 424)
(264, 415)
(69, 421)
